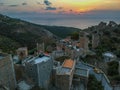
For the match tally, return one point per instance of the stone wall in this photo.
(40, 73)
(62, 82)
(7, 74)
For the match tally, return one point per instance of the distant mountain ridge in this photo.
(28, 34)
(25, 33)
(61, 31)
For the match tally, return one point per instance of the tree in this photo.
(75, 36)
(37, 88)
(93, 84)
(112, 69)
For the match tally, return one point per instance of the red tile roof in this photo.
(68, 63)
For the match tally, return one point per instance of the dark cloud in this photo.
(13, 5)
(61, 12)
(24, 3)
(60, 8)
(48, 3)
(50, 8)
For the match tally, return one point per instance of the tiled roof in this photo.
(68, 63)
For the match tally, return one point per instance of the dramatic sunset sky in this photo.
(60, 8)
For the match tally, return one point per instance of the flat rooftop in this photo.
(63, 71)
(41, 59)
(109, 54)
(81, 72)
(38, 59)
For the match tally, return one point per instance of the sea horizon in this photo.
(76, 21)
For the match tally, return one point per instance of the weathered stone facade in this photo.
(64, 75)
(63, 82)
(7, 74)
(84, 41)
(39, 70)
(22, 53)
(95, 40)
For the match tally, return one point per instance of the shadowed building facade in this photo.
(64, 75)
(84, 41)
(95, 40)
(7, 74)
(39, 70)
(80, 78)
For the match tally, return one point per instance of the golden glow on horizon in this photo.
(88, 5)
(68, 6)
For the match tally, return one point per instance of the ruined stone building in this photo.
(64, 75)
(22, 53)
(95, 40)
(84, 41)
(40, 48)
(39, 70)
(7, 73)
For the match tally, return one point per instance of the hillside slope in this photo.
(109, 36)
(24, 33)
(7, 44)
(61, 31)
(28, 34)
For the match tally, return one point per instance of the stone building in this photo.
(39, 70)
(22, 53)
(58, 53)
(64, 75)
(40, 48)
(7, 73)
(80, 78)
(109, 56)
(84, 41)
(95, 40)
(112, 24)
